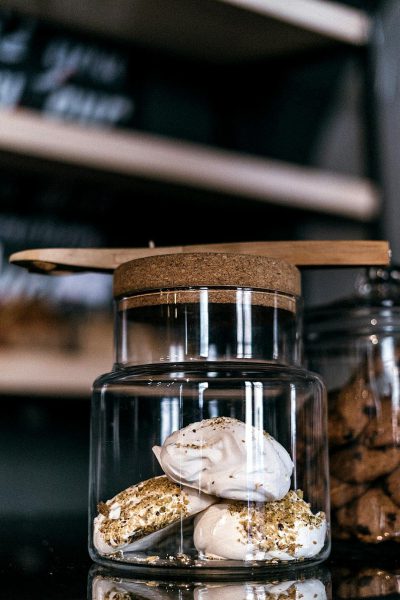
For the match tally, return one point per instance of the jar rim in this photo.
(215, 269)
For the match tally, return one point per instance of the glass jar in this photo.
(208, 438)
(355, 345)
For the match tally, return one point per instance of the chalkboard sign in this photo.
(96, 81)
(64, 75)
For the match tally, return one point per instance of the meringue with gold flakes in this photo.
(141, 515)
(283, 530)
(227, 458)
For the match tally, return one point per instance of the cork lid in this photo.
(173, 271)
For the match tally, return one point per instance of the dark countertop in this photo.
(48, 559)
(44, 448)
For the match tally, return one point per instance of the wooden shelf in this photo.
(216, 30)
(162, 160)
(54, 371)
(51, 373)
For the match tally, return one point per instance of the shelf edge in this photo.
(329, 19)
(187, 164)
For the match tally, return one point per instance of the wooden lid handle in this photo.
(343, 253)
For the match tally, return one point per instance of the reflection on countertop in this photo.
(368, 582)
(365, 570)
(313, 584)
(47, 559)
(321, 583)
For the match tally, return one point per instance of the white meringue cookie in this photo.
(283, 530)
(227, 458)
(138, 517)
(310, 589)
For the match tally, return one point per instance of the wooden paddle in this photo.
(343, 253)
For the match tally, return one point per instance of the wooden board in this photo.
(338, 253)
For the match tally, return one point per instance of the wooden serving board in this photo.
(343, 253)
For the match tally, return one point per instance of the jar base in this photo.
(184, 567)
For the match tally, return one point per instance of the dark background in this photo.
(308, 108)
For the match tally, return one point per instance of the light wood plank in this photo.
(30, 369)
(23, 371)
(320, 16)
(301, 253)
(190, 165)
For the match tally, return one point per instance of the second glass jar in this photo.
(355, 345)
(208, 444)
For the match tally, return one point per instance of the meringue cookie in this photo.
(227, 458)
(283, 530)
(136, 518)
(310, 589)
